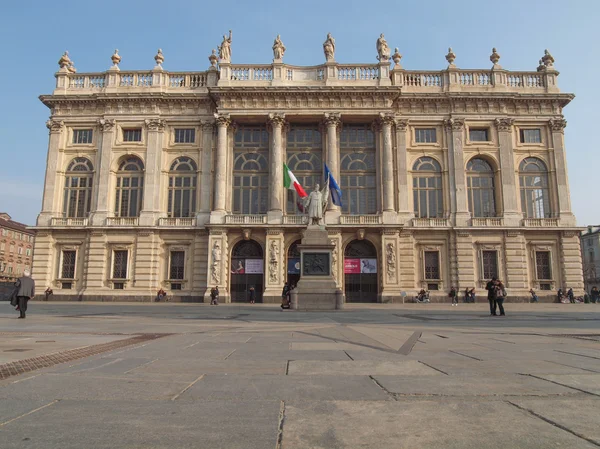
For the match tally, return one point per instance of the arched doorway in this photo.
(293, 264)
(246, 271)
(360, 272)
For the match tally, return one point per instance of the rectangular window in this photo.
(425, 135)
(591, 256)
(175, 286)
(432, 265)
(132, 135)
(490, 264)
(185, 135)
(478, 135)
(28, 252)
(20, 250)
(118, 285)
(67, 285)
(531, 136)
(12, 248)
(68, 264)
(81, 136)
(2, 246)
(176, 270)
(120, 265)
(542, 265)
(4, 232)
(10, 270)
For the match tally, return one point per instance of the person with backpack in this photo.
(214, 296)
(500, 293)
(491, 288)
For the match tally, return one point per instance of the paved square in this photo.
(379, 376)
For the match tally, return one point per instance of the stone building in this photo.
(590, 249)
(174, 180)
(16, 248)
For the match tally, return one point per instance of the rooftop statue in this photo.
(383, 49)
(278, 48)
(329, 48)
(225, 49)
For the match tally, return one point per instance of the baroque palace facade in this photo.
(174, 180)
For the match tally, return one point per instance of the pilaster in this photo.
(337, 256)
(570, 258)
(387, 169)
(206, 188)
(458, 196)
(151, 211)
(404, 212)
(407, 262)
(218, 256)
(274, 265)
(147, 262)
(276, 203)
(390, 278)
(465, 262)
(98, 216)
(52, 194)
(333, 122)
(217, 215)
(515, 257)
(510, 207)
(563, 208)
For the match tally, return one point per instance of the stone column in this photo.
(274, 266)
(570, 261)
(100, 206)
(458, 194)
(50, 206)
(151, 210)
(203, 214)
(563, 208)
(408, 258)
(217, 215)
(332, 122)
(275, 213)
(404, 212)
(387, 164)
(510, 207)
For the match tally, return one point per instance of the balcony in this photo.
(430, 222)
(122, 221)
(245, 219)
(487, 222)
(540, 222)
(75, 222)
(360, 219)
(295, 219)
(177, 222)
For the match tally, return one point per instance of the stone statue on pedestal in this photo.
(225, 49)
(315, 204)
(383, 50)
(329, 48)
(278, 48)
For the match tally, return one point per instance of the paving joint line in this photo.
(29, 413)
(186, 388)
(230, 354)
(388, 392)
(571, 366)
(143, 364)
(580, 355)
(465, 355)
(278, 444)
(433, 367)
(349, 356)
(562, 385)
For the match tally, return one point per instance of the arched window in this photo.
(535, 197)
(78, 188)
(250, 170)
(304, 150)
(357, 147)
(427, 188)
(182, 188)
(480, 188)
(130, 187)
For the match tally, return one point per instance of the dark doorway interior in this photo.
(293, 265)
(246, 271)
(360, 272)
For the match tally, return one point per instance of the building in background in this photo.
(174, 180)
(590, 253)
(16, 248)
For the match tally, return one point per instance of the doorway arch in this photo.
(246, 271)
(360, 272)
(293, 263)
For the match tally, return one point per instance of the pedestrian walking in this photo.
(595, 294)
(491, 288)
(25, 292)
(214, 296)
(534, 297)
(571, 296)
(472, 295)
(467, 298)
(48, 293)
(285, 296)
(453, 296)
(252, 295)
(500, 296)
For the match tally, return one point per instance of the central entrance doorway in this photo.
(360, 272)
(293, 264)
(246, 271)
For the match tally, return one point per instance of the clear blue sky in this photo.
(35, 33)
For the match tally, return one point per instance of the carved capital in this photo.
(386, 119)
(332, 119)
(454, 124)
(276, 120)
(558, 125)
(223, 120)
(504, 124)
(106, 125)
(208, 126)
(402, 124)
(155, 124)
(55, 126)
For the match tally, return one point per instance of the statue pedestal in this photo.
(316, 289)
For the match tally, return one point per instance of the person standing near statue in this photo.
(25, 292)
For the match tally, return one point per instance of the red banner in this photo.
(352, 266)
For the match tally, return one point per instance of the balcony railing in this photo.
(177, 222)
(60, 221)
(245, 219)
(540, 222)
(122, 221)
(430, 222)
(487, 221)
(295, 219)
(360, 219)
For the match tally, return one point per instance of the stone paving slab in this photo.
(466, 366)
(150, 425)
(360, 368)
(285, 354)
(420, 424)
(197, 367)
(586, 382)
(13, 408)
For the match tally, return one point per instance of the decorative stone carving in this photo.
(450, 57)
(332, 118)
(315, 264)
(541, 67)
(548, 60)
(159, 58)
(402, 124)
(329, 48)
(246, 233)
(396, 57)
(71, 68)
(276, 119)
(274, 261)
(106, 124)
(208, 126)
(558, 124)
(454, 124)
(386, 119)
(155, 124)
(383, 50)
(64, 62)
(215, 267)
(504, 124)
(494, 57)
(360, 234)
(225, 49)
(278, 49)
(222, 119)
(334, 257)
(116, 59)
(55, 126)
(390, 254)
(213, 58)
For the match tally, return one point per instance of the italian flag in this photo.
(290, 182)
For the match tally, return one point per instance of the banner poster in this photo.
(254, 266)
(238, 266)
(368, 266)
(294, 266)
(352, 266)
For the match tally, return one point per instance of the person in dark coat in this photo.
(453, 296)
(595, 294)
(491, 288)
(214, 296)
(252, 295)
(500, 296)
(25, 292)
(571, 296)
(285, 296)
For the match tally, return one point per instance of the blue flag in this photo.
(334, 188)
